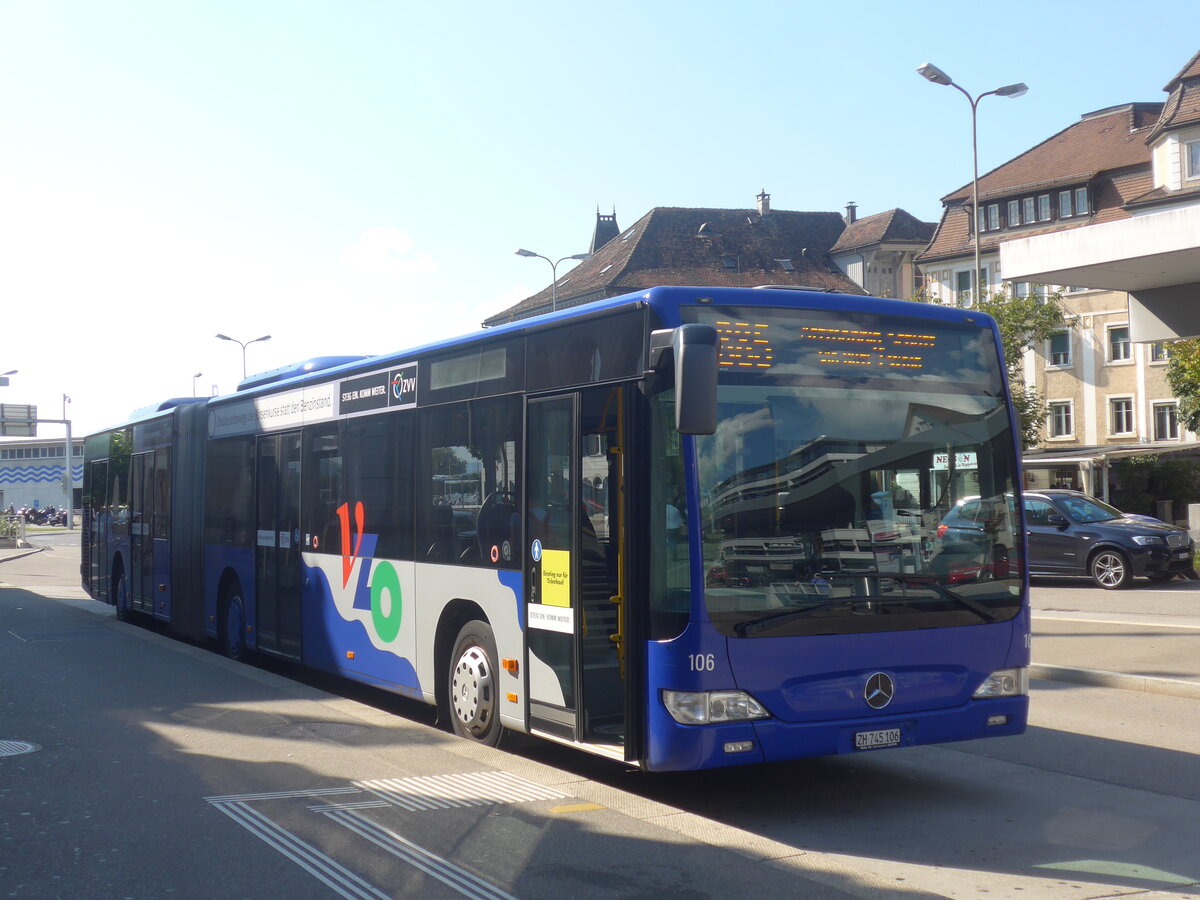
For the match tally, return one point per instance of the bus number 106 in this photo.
(702, 662)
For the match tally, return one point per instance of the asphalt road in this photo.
(162, 769)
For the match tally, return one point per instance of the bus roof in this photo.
(665, 301)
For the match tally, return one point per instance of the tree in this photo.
(1024, 322)
(1183, 375)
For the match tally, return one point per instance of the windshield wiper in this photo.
(775, 620)
(973, 605)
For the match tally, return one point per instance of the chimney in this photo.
(764, 203)
(851, 213)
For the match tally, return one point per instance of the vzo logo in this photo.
(378, 587)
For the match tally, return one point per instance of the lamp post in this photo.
(4, 377)
(554, 271)
(197, 375)
(243, 345)
(932, 73)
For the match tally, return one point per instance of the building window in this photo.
(1119, 348)
(1064, 204)
(1060, 419)
(1191, 152)
(1027, 215)
(1160, 351)
(729, 262)
(1166, 422)
(1014, 213)
(1081, 202)
(993, 216)
(962, 288)
(786, 265)
(1043, 207)
(1060, 349)
(1120, 415)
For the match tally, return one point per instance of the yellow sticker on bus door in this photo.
(556, 577)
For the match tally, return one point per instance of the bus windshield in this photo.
(844, 440)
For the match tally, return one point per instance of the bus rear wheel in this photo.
(473, 685)
(233, 626)
(121, 597)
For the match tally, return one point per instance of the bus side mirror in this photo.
(693, 349)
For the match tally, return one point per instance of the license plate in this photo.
(1181, 554)
(875, 740)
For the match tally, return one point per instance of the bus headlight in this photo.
(706, 707)
(1004, 683)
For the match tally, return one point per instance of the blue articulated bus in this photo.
(686, 528)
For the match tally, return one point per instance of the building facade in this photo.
(1106, 392)
(31, 473)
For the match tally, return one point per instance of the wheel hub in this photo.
(471, 689)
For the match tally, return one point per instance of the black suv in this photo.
(1071, 533)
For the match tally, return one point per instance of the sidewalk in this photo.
(1150, 654)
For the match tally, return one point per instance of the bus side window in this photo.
(469, 462)
(322, 486)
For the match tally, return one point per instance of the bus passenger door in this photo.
(552, 621)
(277, 545)
(574, 527)
(141, 556)
(158, 497)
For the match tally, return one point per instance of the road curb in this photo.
(20, 554)
(1097, 678)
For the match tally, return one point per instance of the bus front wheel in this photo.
(473, 685)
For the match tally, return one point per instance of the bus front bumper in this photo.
(675, 747)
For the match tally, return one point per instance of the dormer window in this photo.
(1191, 155)
(1014, 213)
(729, 262)
(1064, 205)
(786, 264)
(1081, 201)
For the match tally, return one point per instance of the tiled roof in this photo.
(1109, 195)
(1108, 139)
(1183, 105)
(718, 247)
(1162, 195)
(893, 225)
(1191, 70)
(1105, 150)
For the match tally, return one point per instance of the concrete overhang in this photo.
(1154, 257)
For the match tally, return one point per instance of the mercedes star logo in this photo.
(879, 691)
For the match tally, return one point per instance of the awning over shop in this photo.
(1092, 462)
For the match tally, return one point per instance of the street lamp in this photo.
(243, 345)
(194, 377)
(4, 377)
(932, 73)
(554, 271)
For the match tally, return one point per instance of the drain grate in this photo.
(16, 748)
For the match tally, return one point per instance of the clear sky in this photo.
(354, 177)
